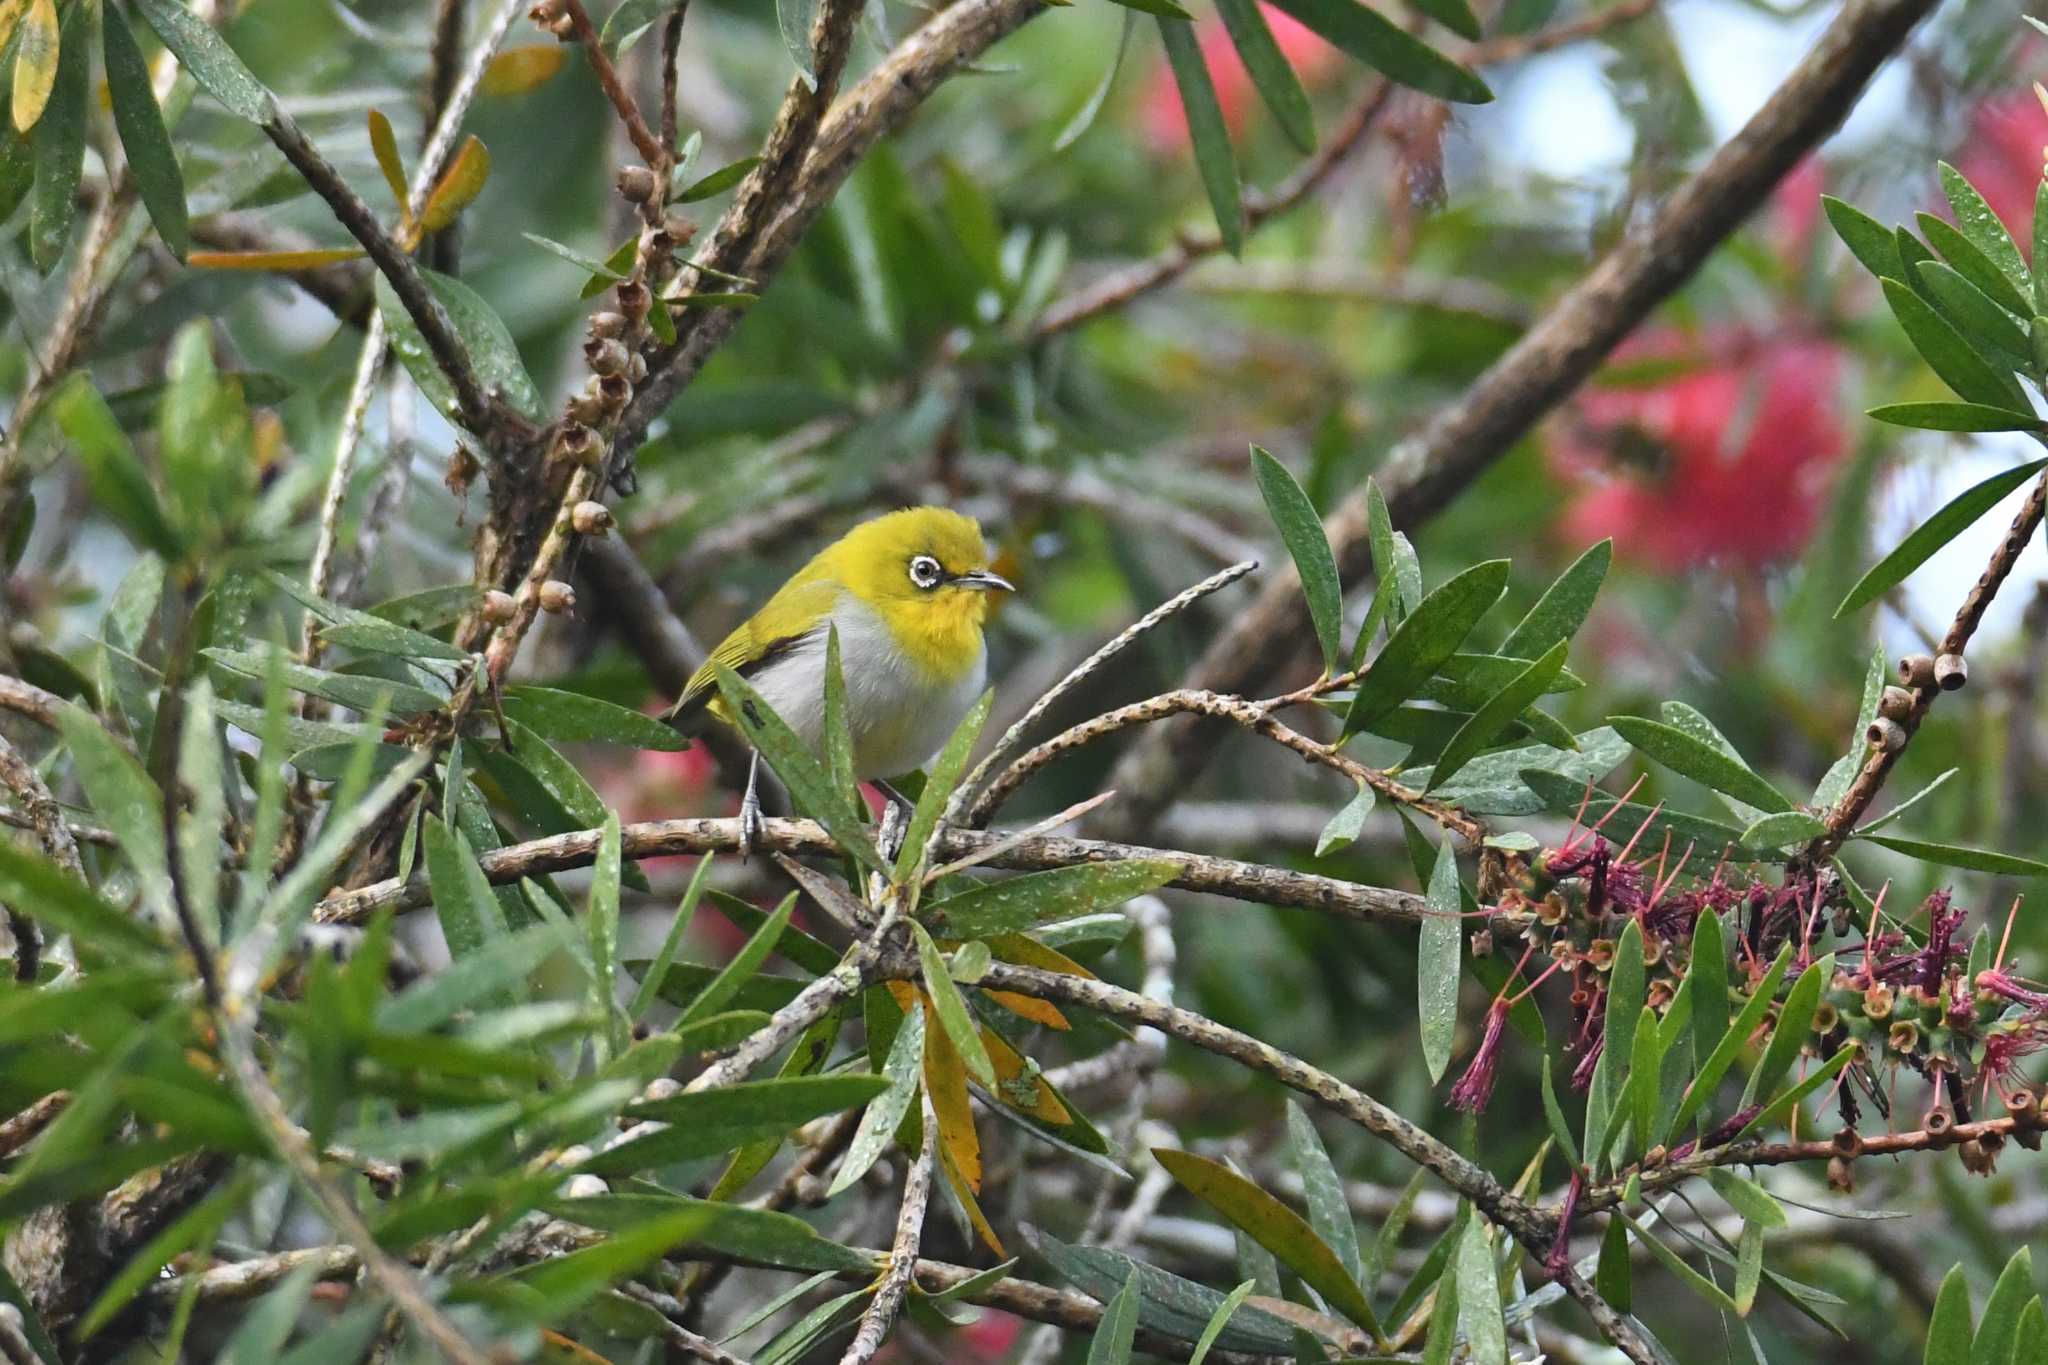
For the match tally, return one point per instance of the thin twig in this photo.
(889, 1294)
(681, 1338)
(20, 1130)
(671, 51)
(26, 699)
(1225, 877)
(651, 149)
(1079, 674)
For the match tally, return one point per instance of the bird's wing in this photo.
(794, 614)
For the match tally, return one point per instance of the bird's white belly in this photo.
(900, 714)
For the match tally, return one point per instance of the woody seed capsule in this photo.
(1887, 735)
(633, 300)
(636, 368)
(581, 445)
(607, 324)
(1950, 672)
(557, 598)
(590, 518)
(680, 228)
(605, 355)
(636, 183)
(497, 607)
(1895, 703)
(1917, 671)
(587, 407)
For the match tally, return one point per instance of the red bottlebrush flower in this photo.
(1725, 463)
(2011, 988)
(1166, 123)
(2003, 159)
(1475, 1087)
(1582, 1074)
(2005, 1049)
(1558, 1261)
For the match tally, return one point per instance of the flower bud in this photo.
(1895, 703)
(1950, 672)
(1917, 671)
(590, 518)
(607, 324)
(557, 598)
(636, 183)
(497, 607)
(606, 356)
(1888, 735)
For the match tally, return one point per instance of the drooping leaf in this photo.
(1273, 1226)
(1271, 73)
(1867, 239)
(492, 353)
(1436, 964)
(59, 138)
(1704, 763)
(1091, 108)
(1673, 1262)
(1329, 1212)
(458, 186)
(726, 984)
(517, 70)
(151, 158)
(1345, 825)
(1167, 1303)
(1369, 36)
(1479, 1311)
(1208, 133)
(1956, 516)
(951, 1007)
(1956, 417)
(885, 1112)
(572, 717)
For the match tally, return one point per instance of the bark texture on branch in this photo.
(1532, 377)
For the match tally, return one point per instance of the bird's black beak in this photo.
(982, 580)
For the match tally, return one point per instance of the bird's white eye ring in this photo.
(926, 571)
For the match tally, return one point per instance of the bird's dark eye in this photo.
(926, 571)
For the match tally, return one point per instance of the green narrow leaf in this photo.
(1973, 263)
(1956, 855)
(571, 717)
(1795, 1020)
(203, 818)
(59, 142)
(1564, 605)
(1486, 724)
(206, 55)
(1866, 238)
(468, 910)
(1388, 563)
(1302, 532)
(1436, 962)
(838, 734)
(1036, 898)
(712, 1122)
(1553, 1114)
(1749, 1267)
(1949, 1332)
(1708, 973)
(954, 1016)
(1955, 517)
(1783, 830)
(885, 1112)
(939, 782)
(144, 138)
(798, 768)
(1272, 74)
(1948, 354)
(1273, 1226)
(1207, 132)
(1329, 1212)
(1111, 1344)
(1815, 1079)
(1692, 1279)
(483, 334)
(602, 925)
(1091, 108)
(1975, 315)
(793, 18)
(1692, 757)
(1219, 1320)
(485, 974)
(1345, 825)
(1422, 642)
(120, 486)
(724, 986)
(1732, 1040)
(1479, 1313)
(1998, 1331)
(1611, 1277)
(1371, 38)
(1955, 417)
(127, 800)
(716, 182)
(1986, 231)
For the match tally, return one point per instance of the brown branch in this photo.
(20, 1130)
(1844, 815)
(671, 51)
(26, 699)
(895, 1286)
(1226, 877)
(1256, 717)
(651, 149)
(1536, 373)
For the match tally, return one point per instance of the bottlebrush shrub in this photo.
(380, 989)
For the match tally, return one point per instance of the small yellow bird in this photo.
(907, 593)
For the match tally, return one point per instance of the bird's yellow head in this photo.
(925, 571)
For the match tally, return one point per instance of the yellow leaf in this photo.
(1029, 952)
(385, 144)
(10, 15)
(945, 1081)
(971, 1204)
(903, 993)
(520, 69)
(1018, 1085)
(463, 181)
(35, 63)
(271, 260)
(1032, 1008)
